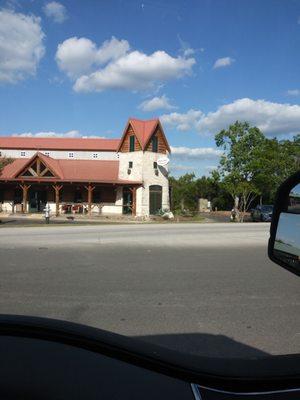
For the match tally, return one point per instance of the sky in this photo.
(83, 67)
(288, 229)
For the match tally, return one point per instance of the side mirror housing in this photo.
(284, 242)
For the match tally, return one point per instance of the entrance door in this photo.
(155, 199)
(127, 201)
(37, 200)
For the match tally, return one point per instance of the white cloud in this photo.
(114, 66)
(195, 152)
(69, 134)
(223, 62)
(293, 92)
(181, 167)
(21, 45)
(50, 134)
(156, 103)
(272, 118)
(56, 11)
(210, 168)
(183, 122)
(77, 56)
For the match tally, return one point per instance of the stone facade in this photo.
(143, 170)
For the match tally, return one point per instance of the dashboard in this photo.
(35, 369)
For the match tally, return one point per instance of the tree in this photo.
(186, 190)
(241, 144)
(183, 193)
(4, 161)
(275, 161)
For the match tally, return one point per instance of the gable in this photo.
(143, 131)
(162, 144)
(36, 168)
(125, 142)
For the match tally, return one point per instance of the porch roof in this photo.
(98, 171)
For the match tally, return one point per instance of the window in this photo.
(155, 144)
(0, 153)
(155, 165)
(131, 143)
(71, 155)
(47, 153)
(95, 155)
(130, 164)
(23, 153)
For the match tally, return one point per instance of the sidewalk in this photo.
(39, 219)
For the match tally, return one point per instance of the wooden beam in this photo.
(134, 201)
(38, 166)
(45, 171)
(57, 189)
(32, 171)
(25, 189)
(90, 189)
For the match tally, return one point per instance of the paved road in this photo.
(201, 288)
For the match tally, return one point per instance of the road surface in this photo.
(202, 288)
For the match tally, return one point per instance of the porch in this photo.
(86, 198)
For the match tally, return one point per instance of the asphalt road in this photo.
(201, 288)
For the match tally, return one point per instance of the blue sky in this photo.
(83, 67)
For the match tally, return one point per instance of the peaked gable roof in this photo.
(143, 131)
(49, 162)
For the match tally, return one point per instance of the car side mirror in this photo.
(284, 242)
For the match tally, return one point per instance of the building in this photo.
(84, 175)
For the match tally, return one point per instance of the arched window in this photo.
(155, 199)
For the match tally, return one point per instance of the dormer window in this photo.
(131, 143)
(155, 144)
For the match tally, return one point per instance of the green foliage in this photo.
(186, 191)
(254, 165)
(4, 161)
(250, 170)
(183, 193)
(276, 160)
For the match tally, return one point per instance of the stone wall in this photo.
(143, 170)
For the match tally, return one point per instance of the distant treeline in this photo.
(250, 171)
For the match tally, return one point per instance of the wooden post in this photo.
(90, 189)
(57, 189)
(133, 191)
(25, 189)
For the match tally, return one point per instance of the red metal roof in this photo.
(104, 171)
(143, 131)
(33, 143)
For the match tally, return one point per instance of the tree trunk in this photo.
(182, 204)
(236, 208)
